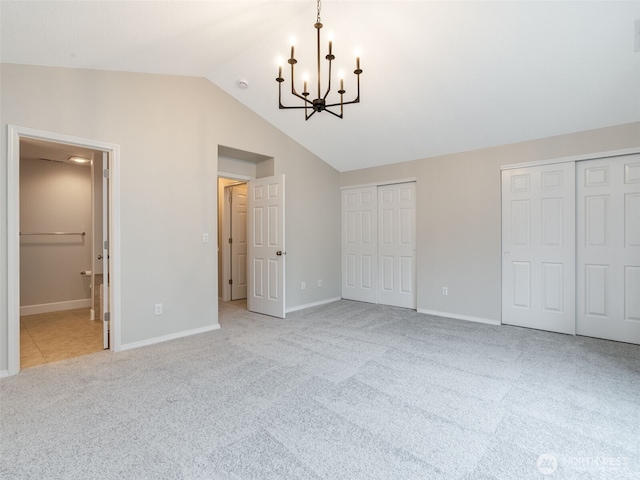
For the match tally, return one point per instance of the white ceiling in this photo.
(439, 77)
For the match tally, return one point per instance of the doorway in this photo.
(235, 168)
(232, 239)
(56, 241)
(60, 208)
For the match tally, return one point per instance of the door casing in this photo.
(14, 134)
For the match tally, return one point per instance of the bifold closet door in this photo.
(608, 248)
(360, 244)
(538, 247)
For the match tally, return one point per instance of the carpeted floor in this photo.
(344, 391)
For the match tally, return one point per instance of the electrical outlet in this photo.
(320, 282)
(303, 285)
(445, 291)
(205, 238)
(158, 309)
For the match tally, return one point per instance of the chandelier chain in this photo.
(319, 8)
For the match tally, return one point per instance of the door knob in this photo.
(99, 257)
(279, 253)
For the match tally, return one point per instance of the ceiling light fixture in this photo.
(79, 160)
(319, 104)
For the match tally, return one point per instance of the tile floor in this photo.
(49, 337)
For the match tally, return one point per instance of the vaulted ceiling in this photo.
(439, 77)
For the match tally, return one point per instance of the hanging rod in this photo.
(53, 233)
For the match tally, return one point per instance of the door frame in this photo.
(14, 134)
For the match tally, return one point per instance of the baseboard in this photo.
(166, 338)
(4, 373)
(488, 321)
(314, 304)
(55, 307)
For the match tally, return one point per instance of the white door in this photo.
(397, 244)
(238, 242)
(360, 244)
(104, 305)
(538, 247)
(266, 246)
(608, 248)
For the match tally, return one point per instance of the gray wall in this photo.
(458, 214)
(169, 129)
(54, 197)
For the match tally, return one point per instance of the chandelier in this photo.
(319, 104)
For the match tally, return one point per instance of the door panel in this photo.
(360, 244)
(538, 262)
(608, 248)
(266, 247)
(239, 241)
(397, 244)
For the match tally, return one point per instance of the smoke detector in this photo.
(242, 83)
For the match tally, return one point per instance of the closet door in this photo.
(239, 241)
(538, 247)
(608, 248)
(360, 244)
(397, 244)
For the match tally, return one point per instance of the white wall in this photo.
(168, 129)
(54, 197)
(458, 215)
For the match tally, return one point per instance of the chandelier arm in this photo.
(297, 107)
(281, 106)
(318, 27)
(356, 100)
(334, 113)
(337, 104)
(329, 83)
(296, 94)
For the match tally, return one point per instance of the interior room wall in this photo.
(54, 197)
(459, 214)
(168, 129)
(237, 167)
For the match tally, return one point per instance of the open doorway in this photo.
(61, 246)
(235, 169)
(60, 224)
(233, 239)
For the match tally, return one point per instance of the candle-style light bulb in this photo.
(293, 46)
